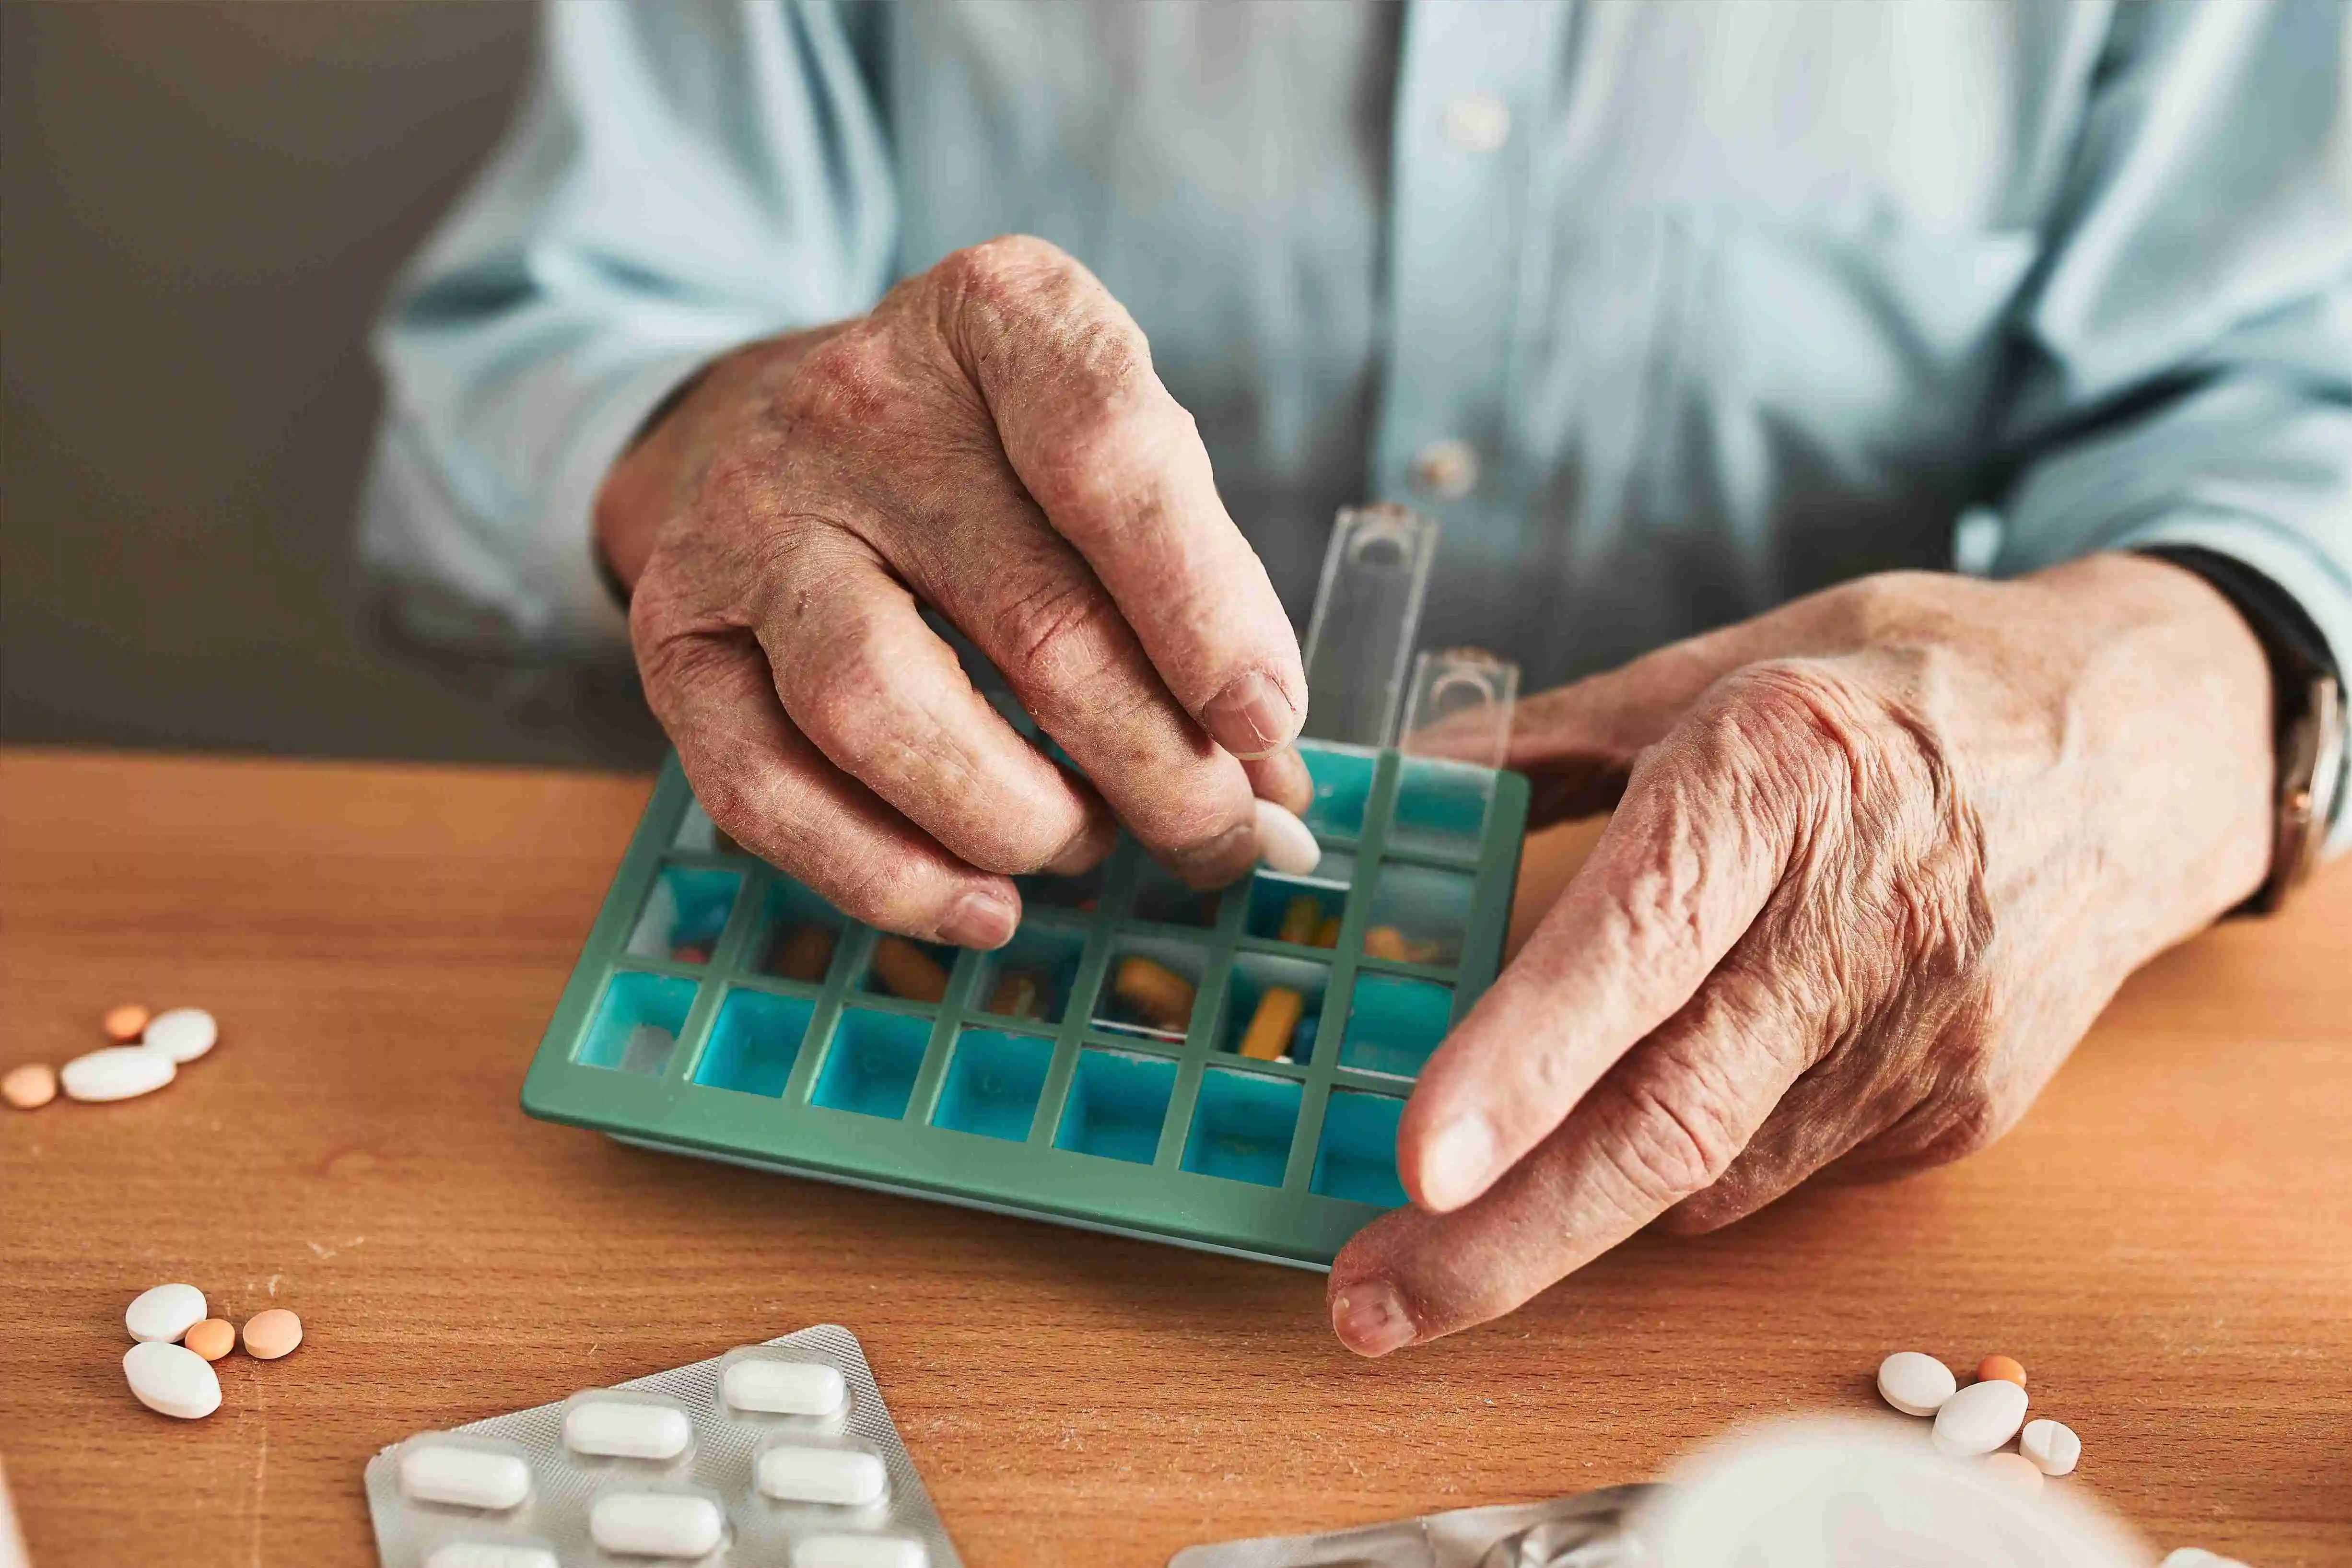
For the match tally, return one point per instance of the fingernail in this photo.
(1460, 1161)
(1251, 717)
(1370, 1318)
(982, 918)
(1214, 862)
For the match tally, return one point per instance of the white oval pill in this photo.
(2051, 1444)
(843, 1476)
(656, 1524)
(858, 1551)
(1981, 1417)
(785, 1387)
(464, 1478)
(165, 1312)
(623, 1428)
(172, 1379)
(182, 1034)
(118, 1072)
(1284, 842)
(1916, 1384)
(2197, 1557)
(489, 1554)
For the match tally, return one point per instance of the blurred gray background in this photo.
(204, 203)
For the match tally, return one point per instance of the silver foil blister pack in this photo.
(516, 1491)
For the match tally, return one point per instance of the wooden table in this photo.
(2167, 1241)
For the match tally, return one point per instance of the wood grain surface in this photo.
(2165, 1242)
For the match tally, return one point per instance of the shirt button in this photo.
(1447, 469)
(1478, 122)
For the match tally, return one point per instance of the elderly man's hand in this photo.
(1881, 856)
(992, 442)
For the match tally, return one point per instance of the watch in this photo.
(2308, 717)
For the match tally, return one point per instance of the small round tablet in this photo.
(2007, 1368)
(164, 1313)
(123, 1024)
(172, 1380)
(118, 1072)
(2052, 1445)
(182, 1034)
(1914, 1382)
(271, 1334)
(211, 1339)
(30, 1087)
(1284, 842)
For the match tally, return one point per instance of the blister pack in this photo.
(1591, 1531)
(780, 1455)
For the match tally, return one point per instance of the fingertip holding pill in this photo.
(271, 1334)
(164, 1312)
(172, 1380)
(1285, 843)
(2007, 1368)
(30, 1087)
(212, 1338)
(124, 1024)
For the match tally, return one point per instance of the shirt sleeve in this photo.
(682, 178)
(2186, 355)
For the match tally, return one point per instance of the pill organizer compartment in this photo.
(993, 1083)
(934, 960)
(1117, 1104)
(1441, 807)
(1426, 907)
(1255, 973)
(756, 1042)
(1163, 899)
(1274, 911)
(871, 1065)
(1082, 894)
(1124, 1014)
(1356, 1157)
(1394, 1022)
(799, 936)
(686, 910)
(1030, 977)
(1242, 1126)
(637, 1023)
(1343, 787)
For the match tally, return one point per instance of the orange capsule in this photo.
(2004, 1367)
(907, 971)
(126, 1023)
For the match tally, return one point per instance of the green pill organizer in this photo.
(676, 1031)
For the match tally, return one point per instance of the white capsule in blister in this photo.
(656, 1524)
(858, 1551)
(785, 1387)
(624, 1429)
(846, 1477)
(489, 1554)
(464, 1478)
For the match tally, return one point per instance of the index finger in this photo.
(1118, 466)
(1682, 870)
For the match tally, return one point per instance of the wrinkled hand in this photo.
(1881, 858)
(991, 442)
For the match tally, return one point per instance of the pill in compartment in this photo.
(464, 1477)
(845, 1478)
(859, 1552)
(772, 1387)
(489, 1554)
(627, 1429)
(656, 1524)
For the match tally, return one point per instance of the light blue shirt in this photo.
(1667, 309)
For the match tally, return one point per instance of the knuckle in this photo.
(1669, 1139)
(1055, 632)
(844, 387)
(1011, 273)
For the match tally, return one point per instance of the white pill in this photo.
(464, 1478)
(656, 1524)
(843, 1476)
(2197, 1557)
(785, 1387)
(1981, 1417)
(489, 1554)
(858, 1551)
(118, 1072)
(1283, 841)
(165, 1313)
(182, 1034)
(1915, 1383)
(624, 1429)
(2051, 1444)
(172, 1379)
(2014, 1471)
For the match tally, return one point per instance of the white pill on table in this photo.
(656, 1524)
(2014, 1471)
(172, 1379)
(118, 1072)
(165, 1312)
(463, 1477)
(1916, 1384)
(182, 1034)
(2197, 1557)
(1981, 1417)
(625, 1429)
(1284, 842)
(858, 1551)
(785, 1387)
(844, 1476)
(489, 1554)
(2051, 1444)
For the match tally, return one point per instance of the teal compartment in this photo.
(1116, 1106)
(1084, 1112)
(1356, 1159)
(1427, 906)
(1242, 1126)
(993, 1084)
(637, 1023)
(685, 911)
(1393, 1024)
(873, 1062)
(755, 1043)
(1441, 807)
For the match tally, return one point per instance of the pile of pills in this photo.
(1980, 1419)
(148, 1052)
(170, 1367)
